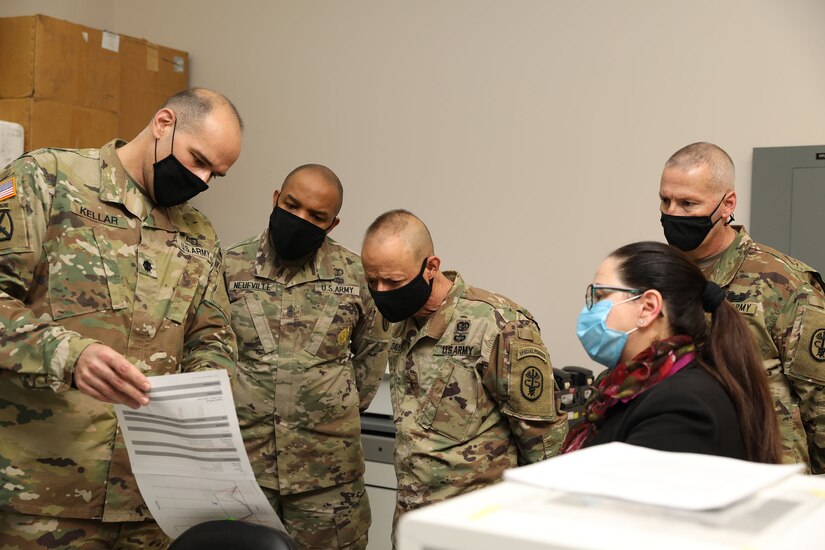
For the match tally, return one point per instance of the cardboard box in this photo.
(48, 58)
(48, 123)
(149, 75)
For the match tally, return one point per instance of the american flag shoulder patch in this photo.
(8, 189)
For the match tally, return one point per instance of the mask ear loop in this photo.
(730, 219)
(172, 147)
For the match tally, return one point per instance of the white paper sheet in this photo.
(684, 481)
(188, 456)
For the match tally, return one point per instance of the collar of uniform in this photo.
(117, 186)
(732, 258)
(317, 268)
(438, 322)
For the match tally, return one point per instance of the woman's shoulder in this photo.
(693, 385)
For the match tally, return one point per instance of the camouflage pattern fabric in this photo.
(84, 258)
(26, 532)
(310, 356)
(335, 518)
(782, 300)
(472, 393)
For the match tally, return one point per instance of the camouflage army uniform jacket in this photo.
(472, 394)
(85, 258)
(310, 356)
(782, 300)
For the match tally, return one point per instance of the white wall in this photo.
(99, 14)
(529, 135)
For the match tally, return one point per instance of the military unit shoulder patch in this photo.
(8, 188)
(807, 359)
(6, 225)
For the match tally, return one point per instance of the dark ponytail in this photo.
(727, 350)
(738, 367)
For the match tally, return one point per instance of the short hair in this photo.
(192, 105)
(400, 222)
(326, 174)
(707, 154)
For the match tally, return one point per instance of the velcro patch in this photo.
(8, 188)
(100, 215)
(262, 286)
(336, 288)
(808, 359)
(531, 390)
(746, 308)
(457, 349)
(192, 247)
(14, 235)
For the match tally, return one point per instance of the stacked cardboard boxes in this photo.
(73, 86)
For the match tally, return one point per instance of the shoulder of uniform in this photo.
(196, 223)
(343, 256)
(249, 242)
(337, 248)
(772, 260)
(496, 301)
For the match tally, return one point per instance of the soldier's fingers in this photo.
(86, 389)
(100, 390)
(109, 393)
(125, 378)
(130, 373)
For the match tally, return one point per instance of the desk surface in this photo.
(514, 516)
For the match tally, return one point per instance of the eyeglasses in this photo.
(590, 293)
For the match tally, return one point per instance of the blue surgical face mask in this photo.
(604, 345)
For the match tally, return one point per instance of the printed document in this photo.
(187, 454)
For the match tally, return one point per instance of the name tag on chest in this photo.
(100, 215)
(469, 351)
(260, 286)
(192, 247)
(335, 288)
(746, 308)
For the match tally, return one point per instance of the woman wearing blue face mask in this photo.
(673, 382)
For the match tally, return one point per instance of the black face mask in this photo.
(688, 232)
(402, 303)
(174, 183)
(292, 236)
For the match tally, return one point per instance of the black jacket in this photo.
(689, 412)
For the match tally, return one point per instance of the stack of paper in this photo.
(685, 481)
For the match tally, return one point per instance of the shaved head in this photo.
(718, 162)
(404, 225)
(320, 173)
(192, 105)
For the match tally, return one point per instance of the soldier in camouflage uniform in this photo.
(781, 298)
(471, 380)
(311, 355)
(101, 287)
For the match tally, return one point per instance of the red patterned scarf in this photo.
(662, 359)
